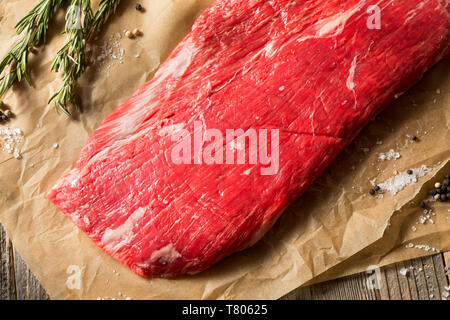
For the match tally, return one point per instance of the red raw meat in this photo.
(312, 69)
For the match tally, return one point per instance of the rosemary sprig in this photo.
(72, 56)
(105, 10)
(34, 26)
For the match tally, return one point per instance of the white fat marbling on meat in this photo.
(114, 239)
(170, 130)
(178, 65)
(269, 49)
(166, 255)
(333, 26)
(351, 76)
(411, 14)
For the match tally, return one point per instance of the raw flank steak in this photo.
(317, 71)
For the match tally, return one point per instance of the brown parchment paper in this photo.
(335, 229)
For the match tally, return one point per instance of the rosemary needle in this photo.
(34, 27)
(72, 56)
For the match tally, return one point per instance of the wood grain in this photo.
(27, 286)
(425, 280)
(7, 281)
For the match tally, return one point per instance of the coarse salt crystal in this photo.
(403, 179)
(404, 272)
(391, 154)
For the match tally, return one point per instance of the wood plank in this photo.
(298, 294)
(424, 277)
(410, 265)
(431, 278)
(439, 267)
(403, 280)
(384, 288)
(7, 284)
(393, 284)
(447, 264)
(27, 286)
(349, 288)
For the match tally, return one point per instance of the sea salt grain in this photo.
(403, 179)
(391, 154)
(404, 272)
(11, 139)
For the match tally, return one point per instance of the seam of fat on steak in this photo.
(316, 71)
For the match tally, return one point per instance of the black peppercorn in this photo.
(446, 182)
(138, 7)
(377, 188)
(372, 191)
(439, 190)
(414, 138)
(432, 192)
(409, 171)
(443, 197)
(422, 204)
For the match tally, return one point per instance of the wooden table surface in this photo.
(426, 280)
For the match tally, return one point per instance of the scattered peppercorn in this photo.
(414, 138)
(129, 34)
(441, 191)
(139, 7)
(377, 188)
(3, 117)
(137, 32)
(446, 182)
(372, 192)
(409, 171)
(422, 204)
